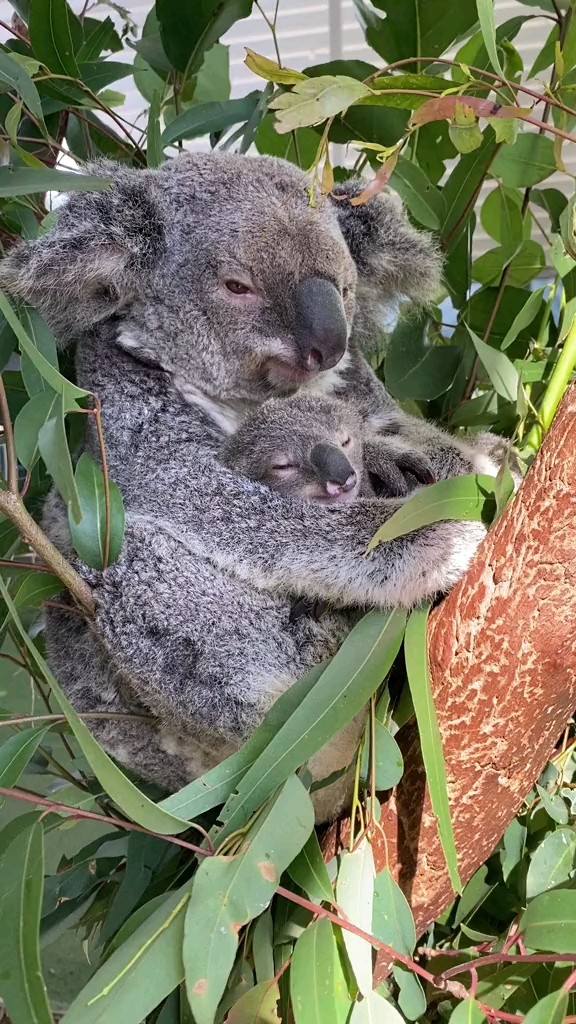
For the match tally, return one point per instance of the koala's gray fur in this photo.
(192, 622)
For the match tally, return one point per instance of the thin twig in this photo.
(11, 461)
(104, 715)
(9, 563)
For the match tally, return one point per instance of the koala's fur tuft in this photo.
(195, 292)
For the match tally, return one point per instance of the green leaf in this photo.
(309, 871)
(501, 218)
(549, 923)
(53, 445)
(524, 318)
(16, 752)
(50, 31)
(263, 947)
(20, 81)
(210, 117)
(461, 185)
(343, 689)
(258, 1006)
(461, 497)
(430, 740)
(142, 972)
(21, 882)
(546, 55)
(425, 201)
(550, 1010)
(554, 805)
(354, 892)
(392, 920)
(514, 840)
(314, 99)
(501, 371)
(135, 804)
(551, 200)
(230, 891)
(388, 761)
(45, 342)
(385, 93)
(317, 982)
(29, 422)
(102, 37)
(528, 161)
(465, 138)
(48, 372)
(467, 1012)
(89, 534)
(213, 78)
(488, 29)
(410, 30)
(188, 30)
(215, 786)
(374, 1009)
(21, 181)
(505, 128)
(411, 996)
(527, 264)
(552, 862)
(415, 368)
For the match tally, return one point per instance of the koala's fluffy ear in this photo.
(97, 256)
(392, 258)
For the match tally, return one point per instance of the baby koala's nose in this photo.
(333, 488)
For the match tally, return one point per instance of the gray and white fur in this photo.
(194, 292)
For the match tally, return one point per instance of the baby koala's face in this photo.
(304, 447)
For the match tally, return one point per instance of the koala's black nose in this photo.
(320, 324)
(332, 468)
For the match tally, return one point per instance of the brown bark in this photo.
(502, 651)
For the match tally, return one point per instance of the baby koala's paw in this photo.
(394, 467)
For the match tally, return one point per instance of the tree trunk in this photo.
(502, 652)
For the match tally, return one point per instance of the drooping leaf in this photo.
(15, 753)
(514, 840)
(50, 25)
(89, 534)
(488, 29)
(527, 264)
(416, 653)
(188, 30)
(550, 1010)
(549, 923)
(461, 497)
(524, 318)
(392, 920)
(314, 99)
(502, 220)
(230, 891)
(28, 423)
(18, 79)
(317, 982)
(309, 871)
(388, 761)
(374, 1009)
(528, 161)
(346, 684)
(501, 371)
(467, 1012)
(424, 200)
(129, 798)
(552, 862)
(554, 805)
(138, 975)
(411, 996)
(210, 117)
(21, 181)
(21, 882)
(263, 947)
(45, 342)
(354, 892)
(53, 445)
(414, 367)
(410, 30)
(258, 1006)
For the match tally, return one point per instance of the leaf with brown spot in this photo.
(230, 892)
(443, 108)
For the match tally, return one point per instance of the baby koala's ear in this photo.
(98, 254)
(393, 259)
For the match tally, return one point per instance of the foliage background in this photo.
(106, 876)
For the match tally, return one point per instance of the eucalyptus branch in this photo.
(12, 506)
(11, 461)
(557, 384)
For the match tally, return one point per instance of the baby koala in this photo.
(307, 447)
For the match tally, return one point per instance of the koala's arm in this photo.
(284, 545)
(400, 439)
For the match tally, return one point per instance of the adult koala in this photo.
(194, 292)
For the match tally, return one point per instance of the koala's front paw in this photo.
(395, 468)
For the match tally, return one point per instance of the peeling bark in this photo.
(502, 651)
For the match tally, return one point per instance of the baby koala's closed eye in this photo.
(307, 447)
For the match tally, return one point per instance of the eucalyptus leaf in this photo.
(552, 862)
(89, 533)
(501, 371)
(317, 981)
(309, 871)
(314, 99)
(549, 923)
(354, 893)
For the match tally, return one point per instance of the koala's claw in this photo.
(395, 471)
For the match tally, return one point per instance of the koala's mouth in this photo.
(280, 373)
